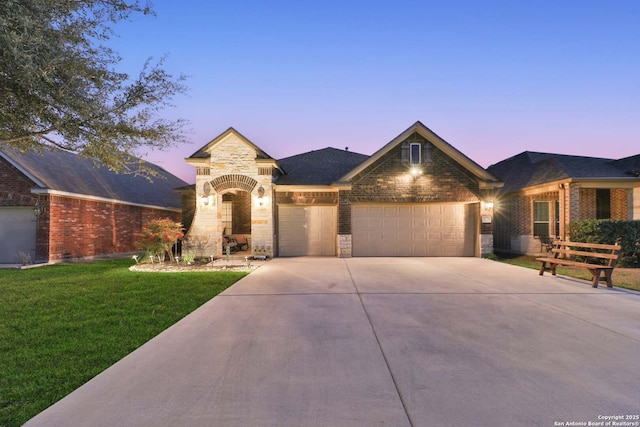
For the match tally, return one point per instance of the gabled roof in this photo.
(529, 168)
(205, 151)
(65, 172)
(441, 144)
(319, 167)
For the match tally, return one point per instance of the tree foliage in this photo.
(59, 85)
(159, 236)
(609, 231)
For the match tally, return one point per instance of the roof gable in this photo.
(439, 143)
(62, 171)
(205, 151)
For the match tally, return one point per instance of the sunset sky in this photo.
(493, 78)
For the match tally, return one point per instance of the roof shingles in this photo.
(68, 172)
(319, 167)
(532, 168)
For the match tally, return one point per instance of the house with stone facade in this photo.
(544, 192)
(56, 206)
(415, 196)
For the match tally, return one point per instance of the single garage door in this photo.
(307, 230)
(414, 229)
(17, 235)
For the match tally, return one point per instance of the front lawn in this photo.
(61, 325)
(628, 278)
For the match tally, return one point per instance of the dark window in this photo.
(603, 204)
(415, 154)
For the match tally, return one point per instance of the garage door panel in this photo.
(307, 230)
(17, 234)
(413, 230)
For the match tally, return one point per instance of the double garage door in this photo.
(380, 230)
(414, 229)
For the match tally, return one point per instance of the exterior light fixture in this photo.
(415, 173)
(204, 200)
(261, 195)
(37, 210)
(489, 205)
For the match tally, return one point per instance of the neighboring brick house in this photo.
(57, 206)
(416, 196)
(544, 192)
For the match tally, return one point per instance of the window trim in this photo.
(538, 221)
(415, 160)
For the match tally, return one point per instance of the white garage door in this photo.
(413, 230)
(307, 230)
(17, 235)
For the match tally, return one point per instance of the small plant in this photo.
(158, 237)
(188, 258)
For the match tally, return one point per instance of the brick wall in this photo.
(514, 217)
(344, 213)
(619, 204)
(77, 228)
(389, 180)
(307, 197)
(587, 204)
(15, 188)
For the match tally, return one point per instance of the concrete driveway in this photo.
(380, 342)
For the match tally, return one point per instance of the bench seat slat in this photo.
(562, 251)
(574, 263)
(588, 245)
(585, 253)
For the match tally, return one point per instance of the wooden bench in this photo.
(563, 250)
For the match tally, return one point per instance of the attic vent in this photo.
(203, 170)
(264, 170)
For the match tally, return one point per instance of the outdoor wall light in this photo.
(37, 210)
(415, 173)
(204, 200)
(261, 195)
(489, 205)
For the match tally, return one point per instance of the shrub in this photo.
(159, 236)
(609, 231)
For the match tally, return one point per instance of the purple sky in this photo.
(493, 78)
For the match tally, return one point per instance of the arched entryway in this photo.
(235, 215)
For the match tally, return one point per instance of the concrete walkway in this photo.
(379, 342)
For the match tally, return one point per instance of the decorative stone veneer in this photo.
(344, 245)
(486, 244)
(232, 167)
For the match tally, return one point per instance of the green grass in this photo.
(61, 325)
(628, 278)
